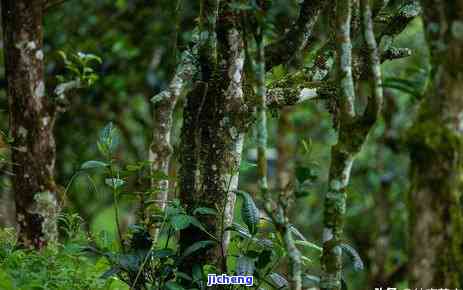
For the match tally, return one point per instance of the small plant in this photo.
(264, 244)
(80, 74)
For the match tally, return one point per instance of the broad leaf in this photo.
(180, 221)
(351, 252)
(205, 211)
(245, 265)
(279, 281)
(310, 245)
(111, 272)
(249, 212)
(197, 246)
(173, 286)
(246, 166)
(93, 164)
(162, 253)
(109, 139)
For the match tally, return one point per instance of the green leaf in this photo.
(180, 221)
(162, 253)
(114, 182)
(133, 167)
(197, 273)
(356, 259)
(209, 269)
(265, 257)
(171, 285)
(301, 193)
(245, 265)
(305, 174)
(183, 276)
(244, 232)
(93, 164)
(111, 272)
(86, 57)
(307, 146)
(109, 139)
(197, 246)
(240, 6)
(199, 225)
(5, 281)
(249, 212)
(308, 244)
(158, 175)
(279, 281)
(205, 211)
(128, 262)
(246, 166)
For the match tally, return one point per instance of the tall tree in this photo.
(218, 113)
(435, 140)
(31, 122)
(212, 133)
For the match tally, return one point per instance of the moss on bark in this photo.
(31, 121)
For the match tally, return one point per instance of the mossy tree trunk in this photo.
(435, 140)
(31, 123)
(213, 132)
(217, 114)
(352, 129)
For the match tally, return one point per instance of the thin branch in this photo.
(344, 59)
(392, 53)
(281, 97)
(182, 78)
(52, 3)
(261, 114)
(297, 37)
(386, 27)
(375, 102)
(341, 154)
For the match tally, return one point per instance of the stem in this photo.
(295, 260)
(261, 114)
(375, 103)
(341, 154)
(116, 204)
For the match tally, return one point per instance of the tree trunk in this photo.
(161, 149)
(31, 123)
(352, 133)
(435, 140)
(212, 138)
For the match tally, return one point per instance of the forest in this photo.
(231, 144)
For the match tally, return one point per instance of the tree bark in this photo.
(212, 137)
(352, 133)
(31, 123)
(435, 140)
(161, 149)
